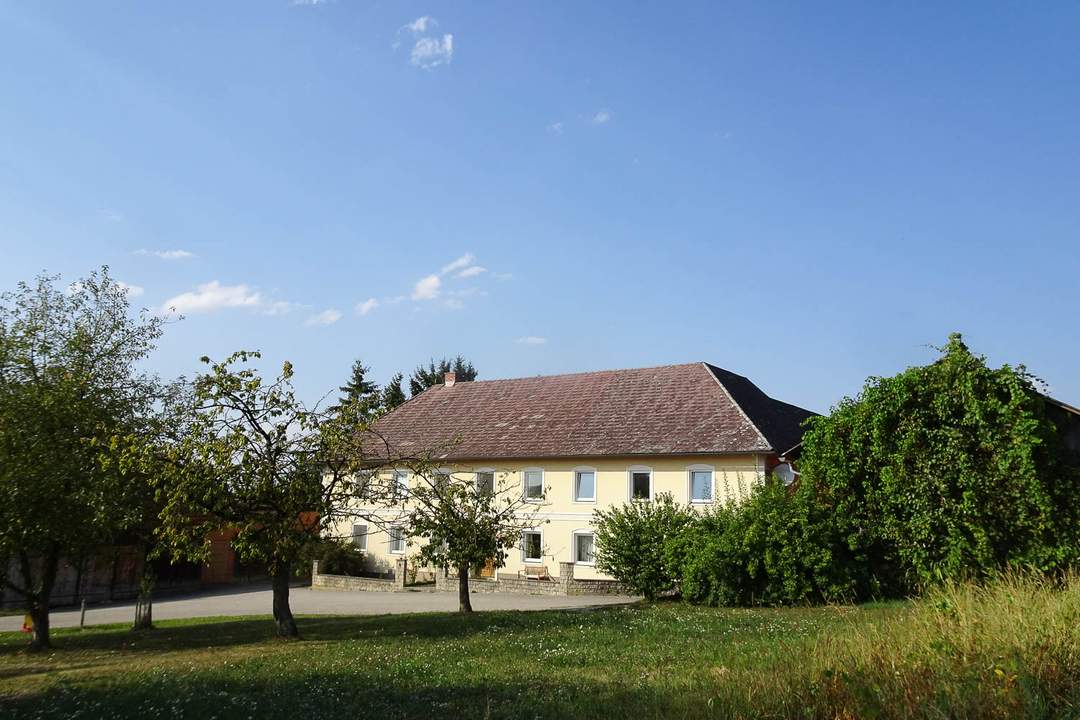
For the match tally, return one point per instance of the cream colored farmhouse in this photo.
(574, 443)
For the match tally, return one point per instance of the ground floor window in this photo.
(397, 540)
(584, 548)
(532, 546)
(359, 536)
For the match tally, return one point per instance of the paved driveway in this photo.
(305, 601)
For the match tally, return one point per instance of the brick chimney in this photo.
(449, 379)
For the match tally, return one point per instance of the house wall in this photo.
(560, 516)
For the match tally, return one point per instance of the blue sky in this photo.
(806, 195)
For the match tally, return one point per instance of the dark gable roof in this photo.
(674, 409)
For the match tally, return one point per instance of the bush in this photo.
(631, 543)
(341, 558)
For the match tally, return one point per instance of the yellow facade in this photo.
(559, 516)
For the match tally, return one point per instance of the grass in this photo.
(1008, 650)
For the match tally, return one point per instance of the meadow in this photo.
(1008, 649)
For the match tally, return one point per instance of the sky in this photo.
(807, 194)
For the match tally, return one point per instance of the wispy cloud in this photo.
(110, 215)
(420, 25)
(427, 288)
(471, 271)
(502, 276)
(367, 306)
(167, 254)
(131, 290)
(309, 2)
(213, 296)
(601, 117)
(556, 128)
(532, 340)
(326, 317)
(462, 262)
(431, 52)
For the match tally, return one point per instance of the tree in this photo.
(255, 461)
(68, 383)
(631, 541)
(359, 388)
(392, 394)
(462, 524)
(433, 374)
(947, 470)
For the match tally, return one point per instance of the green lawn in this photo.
(661, 660)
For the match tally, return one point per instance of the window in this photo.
(359, 536)
(640, 483)
(585, 486)
(534, 485)
(532, 546)
(485, 482)
(401, 484)
(442, 479)
(584, 548)
(701, 484)
(397, 541)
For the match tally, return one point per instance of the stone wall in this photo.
(320, 581)
(563, 584)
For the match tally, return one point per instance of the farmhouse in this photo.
(574, 443)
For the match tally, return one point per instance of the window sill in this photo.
(584, 502)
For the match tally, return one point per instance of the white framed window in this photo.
(533, 481)
(485, 481)
(701, 484)
(639, 479)
(359, 536)
(532, 546)
(442, 478)
(584, 547)
(401, 484)
(396, 540)
(584, 489)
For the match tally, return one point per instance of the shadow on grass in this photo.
(209, 633)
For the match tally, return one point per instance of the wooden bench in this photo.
(535, 572)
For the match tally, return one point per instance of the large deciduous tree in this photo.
(947, 470)
(68, 383)
(256, 462)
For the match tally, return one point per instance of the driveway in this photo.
(305, 601)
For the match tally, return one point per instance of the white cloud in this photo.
(311, 3)
(420, 25)
(394, 299)
(213, 296)
(555, 128)
(601, 117)
(167, 254)
(111, 215)
(430, 52)
(427, 288)
(326, 317)
(278, 307)
(532, 340)
(132, 290)
(471, 271)
(462, 262)
(454, 304)
(367, 306)
(502, 276)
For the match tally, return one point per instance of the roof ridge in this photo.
(575, 374)
(710, 370)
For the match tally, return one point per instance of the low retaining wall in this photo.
(320, 581)
(563, 584)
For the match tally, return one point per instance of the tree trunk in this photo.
(144, 605)
(283, 617)
(464, 604)
(38, 602)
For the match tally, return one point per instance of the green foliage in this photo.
(340, 558)
(632, 540)
(361, 390)
(424, 377)
(392, 394)
(946, 471)
(69, 382)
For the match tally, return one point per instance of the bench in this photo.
(535, 572)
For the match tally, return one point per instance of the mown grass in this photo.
(1008, 650)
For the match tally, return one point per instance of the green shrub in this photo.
(341, 558)
(632, 539)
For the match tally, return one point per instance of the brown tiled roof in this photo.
(673, 409)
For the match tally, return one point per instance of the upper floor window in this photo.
(534, 485)
(701, 484)
(640, 483)
(585, 485)
(359, 536)
(485, 482)
(401, 484)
